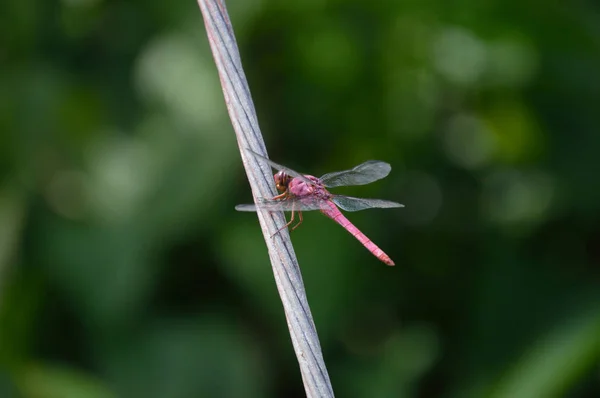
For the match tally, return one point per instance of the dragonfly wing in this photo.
(290, 204)
(365, 173)
(349, 203)
(277, 166)
(246, 207)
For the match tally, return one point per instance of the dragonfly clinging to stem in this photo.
(305, 192)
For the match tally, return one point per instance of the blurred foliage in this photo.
(126, 272)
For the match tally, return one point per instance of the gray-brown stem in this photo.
(283, 259)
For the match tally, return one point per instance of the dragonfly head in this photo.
(282, 181)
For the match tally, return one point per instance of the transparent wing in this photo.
(349, 203)
(365, 173)
(277, 166)
(290, 204)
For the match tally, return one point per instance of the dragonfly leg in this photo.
(299, 222)
(286, 225)
(280, 196)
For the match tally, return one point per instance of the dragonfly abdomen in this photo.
(336, 215)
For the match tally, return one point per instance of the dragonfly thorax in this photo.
(300, 187)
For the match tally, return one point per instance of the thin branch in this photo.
(283, 259)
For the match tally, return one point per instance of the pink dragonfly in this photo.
(305, 192)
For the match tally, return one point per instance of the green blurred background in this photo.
(126, 272)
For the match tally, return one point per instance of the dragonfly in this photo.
(305, 192)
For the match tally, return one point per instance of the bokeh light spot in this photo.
(468, 142)
(121, 172)
(511, 63)
(513, 196)
(172, 72)
(459, 56)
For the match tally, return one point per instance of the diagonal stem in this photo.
(283, 259)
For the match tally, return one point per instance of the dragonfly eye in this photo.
(281, 181)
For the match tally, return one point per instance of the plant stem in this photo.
(283, 259)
